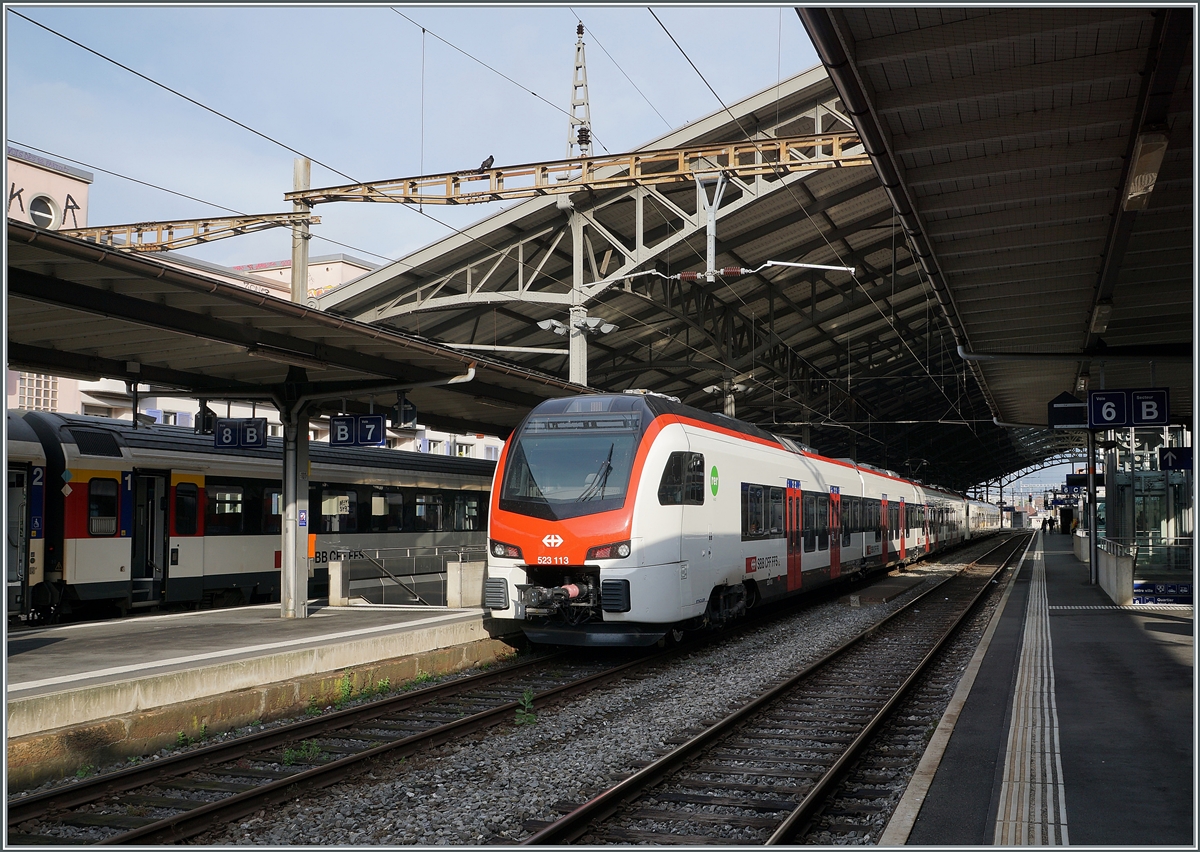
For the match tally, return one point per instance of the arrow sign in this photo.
(1174, 458)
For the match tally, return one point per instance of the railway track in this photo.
(760, 775)
(181, 796)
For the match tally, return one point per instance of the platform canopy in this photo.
(1041, 159)
(858, 364)
(80, 310)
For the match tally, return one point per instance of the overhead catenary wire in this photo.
(234, 121)
(804, 210)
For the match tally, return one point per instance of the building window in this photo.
(36, 392)
(44, 212)
(465, 451)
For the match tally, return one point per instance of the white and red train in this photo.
(620, 519)
(102, 515)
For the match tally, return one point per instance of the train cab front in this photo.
(561, 556)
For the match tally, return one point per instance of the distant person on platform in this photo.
(1044, 525)
(1052, 523)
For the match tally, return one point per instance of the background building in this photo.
(54, 196)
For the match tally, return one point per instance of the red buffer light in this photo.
(616, 550)
(505, 551)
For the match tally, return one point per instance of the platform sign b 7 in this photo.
(362, 430)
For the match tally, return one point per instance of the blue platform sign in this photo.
(225, 433)
(362, 430)
(342, 432)
(1108, 409)
(1175, 458)
(252, 432)
(1150, 407)
(1118, 409)
(370, 430)
(230, 432)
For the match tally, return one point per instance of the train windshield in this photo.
(566, 465)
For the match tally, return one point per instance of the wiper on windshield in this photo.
(599, 481)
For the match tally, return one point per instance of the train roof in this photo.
(102, 436)
(20, 432)
(657, 404)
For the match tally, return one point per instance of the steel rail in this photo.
(94, 789)
(797, 821)
(576, 823)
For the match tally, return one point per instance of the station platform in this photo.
(94, 692)
(1074, 723)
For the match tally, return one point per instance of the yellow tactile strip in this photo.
(1033, 809)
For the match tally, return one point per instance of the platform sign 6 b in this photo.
(229, 432)
(362, 430)
(1118, 409)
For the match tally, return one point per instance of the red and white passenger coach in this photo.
(620, 519)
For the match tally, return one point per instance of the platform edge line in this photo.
(904, 817)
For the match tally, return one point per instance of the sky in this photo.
(372, 92)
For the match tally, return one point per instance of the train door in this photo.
(17, 554)
(903, 531)
(835, 527)
(148, 571)
(883, 528)
(793, 533)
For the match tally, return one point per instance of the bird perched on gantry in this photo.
(487, 164)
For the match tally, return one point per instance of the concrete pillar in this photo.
(294, 560)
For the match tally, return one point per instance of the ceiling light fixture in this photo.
(1148, 154)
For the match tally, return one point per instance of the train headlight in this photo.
(505, 551)
(616, 550)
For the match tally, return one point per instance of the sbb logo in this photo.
(552, 540)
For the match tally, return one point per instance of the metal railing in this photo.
(410, 575)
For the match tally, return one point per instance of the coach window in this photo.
(427, 514)
(776, 512)
(272, 511)
(753, 511)
(810, 523)
(387, 511)
(466, 513)
(187, 502)
(102, 507)
(224, 515)
(339, 511)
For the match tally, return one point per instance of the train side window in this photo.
(847, 512)
(387, 511)
(466, 513)
(102, 507)
(776, 512)
(823, 522)
(670, 486)
(427, 514)
(810, 523)
(225, 505)
(339, 511)
(753, 516)
(187, 508)
(682, 482)
(272, 511)
(693, 483)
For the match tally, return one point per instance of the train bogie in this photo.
(617, 519)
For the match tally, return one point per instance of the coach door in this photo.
(18, 538)
(149, 569)
(883, 530)
(793, 532)
(903, 531)
(835, 532)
